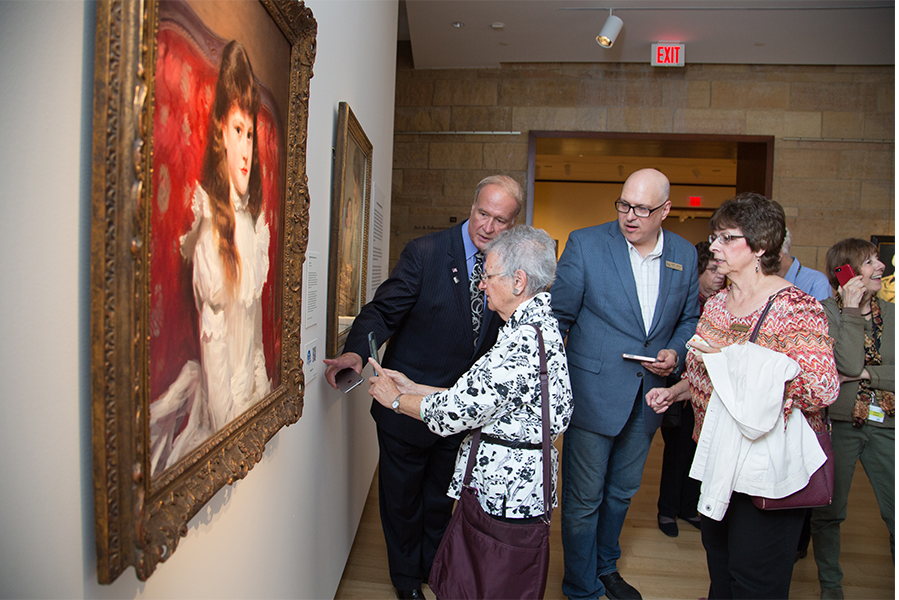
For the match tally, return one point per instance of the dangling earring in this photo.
(758, 260)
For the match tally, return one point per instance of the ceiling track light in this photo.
(610, 31)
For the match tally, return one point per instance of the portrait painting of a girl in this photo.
(213, 299)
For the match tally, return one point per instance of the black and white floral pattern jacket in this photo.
(501, 394)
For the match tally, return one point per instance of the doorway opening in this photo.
(574, 178)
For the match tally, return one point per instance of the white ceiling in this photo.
(790, 32)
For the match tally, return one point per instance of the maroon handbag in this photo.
(819, 490)
(481, 557)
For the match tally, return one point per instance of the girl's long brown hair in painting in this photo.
(236, 87)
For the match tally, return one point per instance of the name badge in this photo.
(739, 327)
(673, 265)
(875, 413)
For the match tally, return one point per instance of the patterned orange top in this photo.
(796, 326)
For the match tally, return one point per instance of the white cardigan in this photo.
(743, 445)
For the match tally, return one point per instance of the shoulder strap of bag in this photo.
(544, 402)
(544, 409)
(755, 334)
(758, 325)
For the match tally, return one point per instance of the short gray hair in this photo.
(530, 250)
(508, 185)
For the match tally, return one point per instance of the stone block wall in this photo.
(831, 188)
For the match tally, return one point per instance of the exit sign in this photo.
(668, 54)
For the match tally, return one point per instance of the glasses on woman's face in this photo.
(724, 237)
(486, 276)
(641, 211)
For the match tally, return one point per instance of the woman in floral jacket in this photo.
(501, 392)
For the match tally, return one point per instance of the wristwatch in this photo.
(396, 404)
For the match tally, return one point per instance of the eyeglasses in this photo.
(641, 211)
(724, 237)
(485, 276)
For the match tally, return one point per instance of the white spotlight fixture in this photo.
(609, 31)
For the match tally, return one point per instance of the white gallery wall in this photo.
(284, 531)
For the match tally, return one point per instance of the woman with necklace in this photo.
(863, 329)
(750, 552)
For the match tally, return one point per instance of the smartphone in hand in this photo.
(649, 359)
(347, 379)
(844, 273)
(373, 346)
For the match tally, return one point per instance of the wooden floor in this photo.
(659, 566)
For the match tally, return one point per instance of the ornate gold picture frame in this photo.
(350, 208)
(199, 227)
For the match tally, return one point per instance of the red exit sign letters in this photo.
(668, 54)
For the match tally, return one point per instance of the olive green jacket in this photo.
(848, 332)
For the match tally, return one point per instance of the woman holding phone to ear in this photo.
(863, 416)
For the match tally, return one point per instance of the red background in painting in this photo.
(185, 85)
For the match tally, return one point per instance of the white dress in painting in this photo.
(231, 376)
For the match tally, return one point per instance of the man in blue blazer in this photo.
(623, 287)
(424, 308)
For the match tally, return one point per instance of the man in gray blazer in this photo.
(624, 287)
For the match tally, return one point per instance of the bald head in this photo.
(651, 184)
(645, 189)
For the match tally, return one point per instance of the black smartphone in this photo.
(373, 346)
(844, 273)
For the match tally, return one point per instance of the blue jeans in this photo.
(600, 475)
